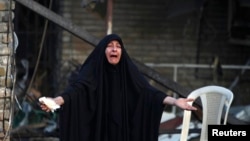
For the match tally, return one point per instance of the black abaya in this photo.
(110, 103)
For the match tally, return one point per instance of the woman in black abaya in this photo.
(111, 100)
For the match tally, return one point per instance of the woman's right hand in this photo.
(44, 107)
(57, 100)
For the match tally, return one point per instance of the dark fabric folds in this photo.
(110, 103)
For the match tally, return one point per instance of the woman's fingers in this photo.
(188, 106)
(189, 99)
(44, 107)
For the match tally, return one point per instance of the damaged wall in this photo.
(7, 50)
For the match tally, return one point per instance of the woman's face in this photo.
(113, 52)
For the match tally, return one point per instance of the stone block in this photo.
(4, 60)
(5, 51)
(5, 104)
(4, 127)
(5, 92)
(5, 115)
(7, 38)
(5, 16)
(6, 81)
(3, 27)
(5, 70)
(4, 5)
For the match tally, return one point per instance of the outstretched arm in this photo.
(180, 102)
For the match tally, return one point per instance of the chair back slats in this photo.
(216, 101)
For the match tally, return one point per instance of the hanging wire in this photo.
(39, 53)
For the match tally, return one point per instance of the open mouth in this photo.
(113, 56)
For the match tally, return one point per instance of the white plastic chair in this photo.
(215, 101)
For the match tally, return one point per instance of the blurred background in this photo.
(187, 44)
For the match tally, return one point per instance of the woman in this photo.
(111, 100)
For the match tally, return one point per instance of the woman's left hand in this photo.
(183, 104)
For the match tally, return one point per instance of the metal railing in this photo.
(176, 68)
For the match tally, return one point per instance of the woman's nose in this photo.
(114, 48)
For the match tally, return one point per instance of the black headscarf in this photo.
(110, 103)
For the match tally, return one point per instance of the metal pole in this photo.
(109, 16)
